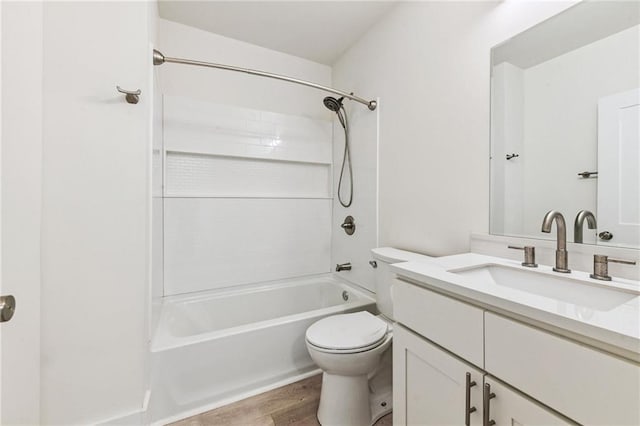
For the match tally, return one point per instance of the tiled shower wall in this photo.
(247, 195)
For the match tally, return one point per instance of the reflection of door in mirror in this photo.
(619, 168)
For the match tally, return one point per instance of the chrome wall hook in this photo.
(130, 96)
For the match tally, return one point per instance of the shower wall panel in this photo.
(247, 195)
(222, 242)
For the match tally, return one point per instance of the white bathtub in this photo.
(212, 348)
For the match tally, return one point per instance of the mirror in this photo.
(565, 120)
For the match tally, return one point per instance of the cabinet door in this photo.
(430, 385)
(508, 407)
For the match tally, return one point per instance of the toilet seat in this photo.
(348, 333)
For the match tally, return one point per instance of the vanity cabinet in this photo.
(538, 378)
(432, 387)
(585, 384)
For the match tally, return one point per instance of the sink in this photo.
(536, 283)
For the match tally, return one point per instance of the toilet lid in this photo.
(347, 331)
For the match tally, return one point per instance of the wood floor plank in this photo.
(294, 404)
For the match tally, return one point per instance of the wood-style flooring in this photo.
(294, 404)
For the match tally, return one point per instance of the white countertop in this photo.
(617, 326)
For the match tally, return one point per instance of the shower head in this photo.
(333, 104)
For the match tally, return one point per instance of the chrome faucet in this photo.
(343, 267)
(562, 256)
(577, 224)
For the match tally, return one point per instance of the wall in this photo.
(429, 64)
(231, 88)
(363, 146)
(95, 211)
(217, 123)
(21, 208)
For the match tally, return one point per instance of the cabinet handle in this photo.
(467, 408)
(487, 396)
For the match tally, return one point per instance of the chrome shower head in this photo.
(333, 104)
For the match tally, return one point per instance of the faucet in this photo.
(577, 225)
(343, 267)
(562, 256)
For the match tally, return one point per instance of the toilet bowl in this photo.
(354, 353)
(349, 349)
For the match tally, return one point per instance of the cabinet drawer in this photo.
(584, 384)
(451, 324)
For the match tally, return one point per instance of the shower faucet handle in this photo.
(529, 255)
(349, 225)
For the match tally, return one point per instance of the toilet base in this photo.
(381, 405)
(350, 400)
(344, 400)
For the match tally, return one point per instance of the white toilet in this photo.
(354, 352)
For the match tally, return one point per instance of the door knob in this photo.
(7, 307)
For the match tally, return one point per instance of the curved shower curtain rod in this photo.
(159, 59)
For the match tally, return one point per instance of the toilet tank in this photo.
(385, 256)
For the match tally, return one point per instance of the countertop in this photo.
(612, 328)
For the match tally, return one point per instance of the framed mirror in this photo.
(565, 126)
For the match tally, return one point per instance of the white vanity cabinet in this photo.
(538, 378)
(432, 387)
(585, 384)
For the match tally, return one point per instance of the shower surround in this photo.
(244, 183)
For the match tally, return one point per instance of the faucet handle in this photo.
(601, 266)
(529, 255)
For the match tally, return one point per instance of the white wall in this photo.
(560, 125)
(96, 211)
(429, 64)
(21, 208)
(232, 88)
(363, 141)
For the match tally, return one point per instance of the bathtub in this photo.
(212, 348)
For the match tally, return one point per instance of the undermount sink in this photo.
(562, 288)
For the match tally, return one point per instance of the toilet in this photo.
(354, 352)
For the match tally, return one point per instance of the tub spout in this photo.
(343, 267)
